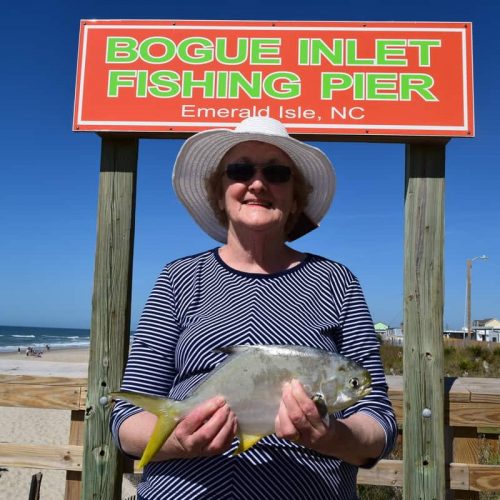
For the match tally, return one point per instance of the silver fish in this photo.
(250, 379)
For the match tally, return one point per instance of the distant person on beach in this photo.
(253, 189)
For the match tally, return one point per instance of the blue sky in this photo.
(49, 174)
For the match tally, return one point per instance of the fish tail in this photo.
(168, 412)
(163, 428)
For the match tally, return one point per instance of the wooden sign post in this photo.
(423, 428)
(110, 329)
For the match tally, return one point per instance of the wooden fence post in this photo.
(423, 428)
(36, 483)
(110, 327)
(76, 436)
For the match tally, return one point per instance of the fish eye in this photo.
(354, 383)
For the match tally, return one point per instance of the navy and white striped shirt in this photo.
(199, 304)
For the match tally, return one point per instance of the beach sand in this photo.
(36, 426)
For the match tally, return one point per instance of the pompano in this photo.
(250, 379)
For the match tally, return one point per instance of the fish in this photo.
(251, 379)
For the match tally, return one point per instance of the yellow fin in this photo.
(168, 412)
(246, 442)
(163, 428)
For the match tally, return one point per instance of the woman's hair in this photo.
(301, 191)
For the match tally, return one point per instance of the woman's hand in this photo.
(298, 419)
(358, 439)
(207, 430)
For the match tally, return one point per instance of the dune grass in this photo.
(471, 359)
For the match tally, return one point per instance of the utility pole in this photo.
(469, 318)
(468, 293)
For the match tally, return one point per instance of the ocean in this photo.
(14, 337)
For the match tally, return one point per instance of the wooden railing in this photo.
(472, 409)
(470, 404)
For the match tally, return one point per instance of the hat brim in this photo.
(201, 154)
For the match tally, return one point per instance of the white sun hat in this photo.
(201, 154)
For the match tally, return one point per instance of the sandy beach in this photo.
(35, 426)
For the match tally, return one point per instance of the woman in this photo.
(253, 189)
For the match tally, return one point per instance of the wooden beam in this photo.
(41, 380)
(110, 326)
(484, 478)
(469, 402)
(37, 456)
(472, 415)
(467, 477)
(41, 396)
(423, 437)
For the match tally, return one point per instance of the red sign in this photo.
(346, 78)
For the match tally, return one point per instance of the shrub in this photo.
(465, 365)
(476, 351)
(368, 492)
(449, 351)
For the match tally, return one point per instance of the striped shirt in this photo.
(199, 304)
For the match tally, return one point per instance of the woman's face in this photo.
(257, 204)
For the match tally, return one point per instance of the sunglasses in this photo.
(243, 172)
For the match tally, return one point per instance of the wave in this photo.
(64, 337)
(69, 345)
(23, 336)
